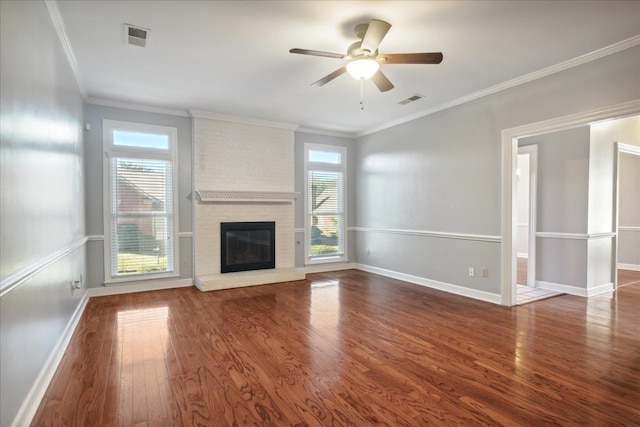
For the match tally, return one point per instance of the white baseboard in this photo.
(632, 267)
(522, 255)
(441, 286)
(574, 290)
(141, 286)
(31, 403)
(334, 266)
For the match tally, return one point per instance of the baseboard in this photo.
(574, 290)
(36, 394)
(632, 267)
(333, 266)
(142, 286)
(434, 284)
(522, 255)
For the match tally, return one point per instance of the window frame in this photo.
(326, 167)
(110, 150)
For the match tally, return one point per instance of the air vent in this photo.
(136, 36)
(411, 99)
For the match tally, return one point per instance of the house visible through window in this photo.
(325, 224)
(140, 220)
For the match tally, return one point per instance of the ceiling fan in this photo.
(365, 60)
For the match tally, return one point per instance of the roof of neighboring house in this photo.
(147, 182)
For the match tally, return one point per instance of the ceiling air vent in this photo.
(411, 99)
(136, 36)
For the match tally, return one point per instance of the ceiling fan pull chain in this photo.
(362, 94)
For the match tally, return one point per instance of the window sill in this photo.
(141, 278)
(326, 260)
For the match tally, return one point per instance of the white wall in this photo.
(42, 219)
(442, 173)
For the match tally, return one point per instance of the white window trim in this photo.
(109, 149)
(342, 167)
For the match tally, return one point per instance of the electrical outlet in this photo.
(485, 272)
(185, 263)
(472, 272)
(75, 285)
(368, 252)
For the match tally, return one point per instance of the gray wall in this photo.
(94, 114)
(563, 180)
(41, 197)
(562, 204)
(629, 210)
(300, 139)
(523, 205)
(442, 172)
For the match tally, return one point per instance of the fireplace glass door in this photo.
(247, 246)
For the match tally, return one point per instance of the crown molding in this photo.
(138, 107)
(58, 24)
(199, 114)
(338, 134)
(571, 63)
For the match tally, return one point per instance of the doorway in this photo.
(627, 215)
(526, 178)
(527, 289)
(509, 186)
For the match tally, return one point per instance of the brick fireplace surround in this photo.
(242, 173)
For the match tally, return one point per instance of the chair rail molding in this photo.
(427, 233)
(16, 279)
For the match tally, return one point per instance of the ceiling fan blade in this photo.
(381, 81)
(317, 53)
(326, 79)
(411, 58)
(374, 35)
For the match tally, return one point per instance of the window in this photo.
(325, 219)
(140, 186)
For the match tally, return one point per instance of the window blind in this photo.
(326, 213)
(141, 213)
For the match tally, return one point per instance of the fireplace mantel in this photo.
(216, 196)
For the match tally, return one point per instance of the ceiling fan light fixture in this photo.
(363, 69)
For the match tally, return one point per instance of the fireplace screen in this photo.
(247, 246)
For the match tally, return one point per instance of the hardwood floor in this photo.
(348, 348)
(628, 277)
(522, 265)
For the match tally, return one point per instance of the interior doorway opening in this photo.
(627, 215)
(509, 184)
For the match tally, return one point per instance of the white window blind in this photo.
(326, 210)
(141, 216)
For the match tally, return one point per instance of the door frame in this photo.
(633, 150)
(532, 150)
(510, 138)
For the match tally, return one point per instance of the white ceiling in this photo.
(232, 57)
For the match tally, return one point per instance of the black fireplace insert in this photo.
(246, 246)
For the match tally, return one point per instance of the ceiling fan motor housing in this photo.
(356, 52)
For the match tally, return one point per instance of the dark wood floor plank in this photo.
(348, 348)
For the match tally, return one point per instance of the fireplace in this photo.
(246, 246)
